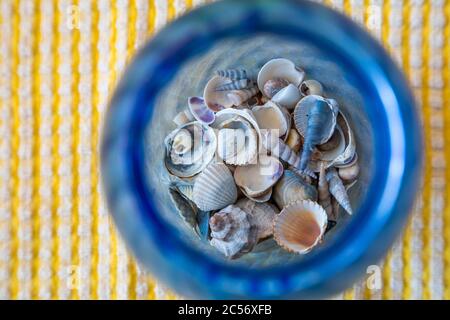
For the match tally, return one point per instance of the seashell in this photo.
(185, 208)
(202, 227)
(189, 149)
(348, 155)
(300, 226)
(282, 69)
(288, 97)
(216, 100)
(183, 117)
(272, 117)
(294, 141)
(337, 189)
(335, 210)
(261, 198)
(214, 188)
(238, 136)
(232, 232)
(273, 86)
(262, 216)
(235, 85)
(311, 87)
(255, 179)
(236, 74)
(291, 188)
(334, 141)
(200, 110)
(315, 120)
(349, 173)
(279, 149)
(238, 97)
(324, 193)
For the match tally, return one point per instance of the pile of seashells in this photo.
(262, 154)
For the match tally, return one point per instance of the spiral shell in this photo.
(338, 190)
(300, 226)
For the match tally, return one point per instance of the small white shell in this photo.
(271, 116)
(309, 87)
(273, 86)
(238, 97)
(288, 97)
(189, 149)
(262, 216)
(291, 188)
(280, 68)
(255, 179)
(217, 100)
(214, 188)
(300, 226)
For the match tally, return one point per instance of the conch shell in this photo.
(291, 188)
(232, 232)
(315, 120)
(262, 216)
(272, 117)
(338, 190)
(256, 179)
(214, 188)
(189, 149)
(280, 69)
(300, 226)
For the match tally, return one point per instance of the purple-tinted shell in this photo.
(200, 110)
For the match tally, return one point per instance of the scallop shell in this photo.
(294, 141)
(189, 149)
(255, 179)
(235, 85)
(236, 74)
(271, 116)
(238, 97)
(232, 232)
(214, 188)
(273, 86)
(291, 188)
(300, 226)
(238, 136)
(338, 190)
(315, 120)
(311, 87)
(262, 216)
(288, 97)
(280, 68)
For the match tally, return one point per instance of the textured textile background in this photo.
(59, 61)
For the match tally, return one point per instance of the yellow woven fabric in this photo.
(59, 61)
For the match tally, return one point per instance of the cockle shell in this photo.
(214, 188)
(315, 120)
(288, 97)
(232, 232)
(282, 69)
(291, 188)
(324, 193)
(235, 85)
(338, 190)
(189, 149)
(238, 136)
(294, 141)
(309, 87)
(262, 216)
(273, 117)
(256, 179)
(236, 74)
(300, 226)
(273, 86)
(238, 97)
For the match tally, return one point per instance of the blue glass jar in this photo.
(177, 63)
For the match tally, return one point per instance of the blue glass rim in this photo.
(390, 107)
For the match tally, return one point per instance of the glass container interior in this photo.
(252, 53)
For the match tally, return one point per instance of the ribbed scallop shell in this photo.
(214, 188)
(291, 188)
(300, 226)
(262, 216)
(282, 69)
(189, 149)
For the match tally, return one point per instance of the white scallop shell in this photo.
(300, 226)
(280, 68)
(214, 188)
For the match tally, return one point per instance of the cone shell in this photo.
(338, 190)
(300, 226)
(271, 116)
(262, 216)
(200, 111)
(214, 188)
(309, 87)
(232, 232)
(189, 149)
(282, 69)
(291, 188)
(256, 179)
(288, 97)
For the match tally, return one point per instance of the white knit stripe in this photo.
(396, 269)
(357, 11)
(161, 14)
(142, 22)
